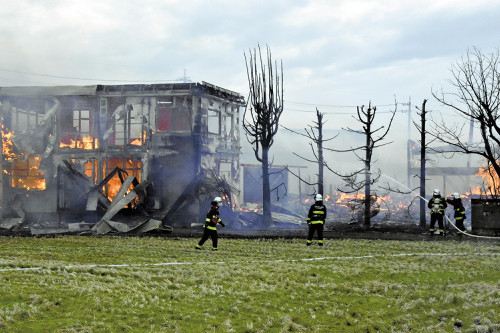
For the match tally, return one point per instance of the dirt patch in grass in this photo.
(382, 231)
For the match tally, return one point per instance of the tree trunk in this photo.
(422, 168)
(266, 188)
(320, 154)
(367, 196)
(367, 169)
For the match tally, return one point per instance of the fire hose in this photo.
(449, 221)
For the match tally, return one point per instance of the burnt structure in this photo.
(78, 150)
(485, 216)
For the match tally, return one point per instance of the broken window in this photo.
(225, 169)
(26, 115)
(25, 174)
(173, 118)
(132, 167)
(227, 125)
(91, 170)
(214, 122)
(76, 129)
(128, 129)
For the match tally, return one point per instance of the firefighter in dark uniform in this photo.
(459, 214)
(437, 206)
(210, 227)
(316, 220)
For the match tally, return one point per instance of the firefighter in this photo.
(316, 220)
(437, 206)
(459, 214)
(210, 227)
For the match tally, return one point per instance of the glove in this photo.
(222, 224)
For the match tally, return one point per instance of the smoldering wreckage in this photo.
(116, 158)
(132, 159)
(121, 158)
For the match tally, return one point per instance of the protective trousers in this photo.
(209, 233)
(439, 218)
(316, 227)
(459, 222)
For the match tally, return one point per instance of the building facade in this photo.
(63, 145)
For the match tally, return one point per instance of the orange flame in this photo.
(114, 184)
(7, 146)
(139, 141)
(86, 142)
(26, 174)
(490, 178)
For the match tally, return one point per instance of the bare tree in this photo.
(315, 134)
(476, 96)
(262, 113)
(423, 147)
(366, 118)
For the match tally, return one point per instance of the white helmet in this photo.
(436, 192)
(456, 195)
(318, 197)
(218, 200)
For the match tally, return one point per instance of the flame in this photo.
(26, 174)
(225, 198)
(86, 142)
(25, 171)
(491, 180)
(133, 168)
(255, 210)
(136, 142)
(7, 146)
(139, 141)
(30, 183)
(349, 197)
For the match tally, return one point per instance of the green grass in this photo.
(243, 288)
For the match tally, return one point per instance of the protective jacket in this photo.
(213, 218)
(458, 207)
(317, 213)
(437, 205)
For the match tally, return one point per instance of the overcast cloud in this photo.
(335, 53)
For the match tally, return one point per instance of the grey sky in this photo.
(335, 53)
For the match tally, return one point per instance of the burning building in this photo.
(83, 151)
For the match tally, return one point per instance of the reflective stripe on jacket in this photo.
(458, 207)
(212, 219)
(317, 213)
(437, 205)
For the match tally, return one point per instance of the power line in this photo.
(339, 106)
(330, 112)
(81, 78)
(156, 81)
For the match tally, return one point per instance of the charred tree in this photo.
(474, 95)
(423, 147)
(366, 118)
(315, 135)
(262, 113)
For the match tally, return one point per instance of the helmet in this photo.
(436, 192)
(318, 197)
(456, 195)
(218, 200)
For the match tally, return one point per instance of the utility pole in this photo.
(423, 146)
(408, 146)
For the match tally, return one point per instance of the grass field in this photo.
(248, 285)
